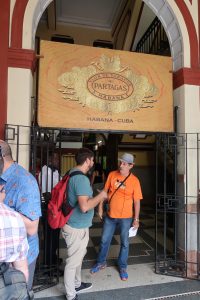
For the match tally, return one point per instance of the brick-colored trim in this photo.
(190, 76)
(17, 23)
(22, 58)
(194, 45)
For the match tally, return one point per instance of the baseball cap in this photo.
(127, 157)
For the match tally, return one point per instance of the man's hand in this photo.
(86, 203)
(100, 210)
(103, 194)
(137, 213)
(136, 224)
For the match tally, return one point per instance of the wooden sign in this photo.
(91, 88)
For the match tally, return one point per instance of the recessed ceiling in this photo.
(92, 13)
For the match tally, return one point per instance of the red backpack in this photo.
(59, 210)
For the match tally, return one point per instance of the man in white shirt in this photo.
(49, 175)
(48, 178)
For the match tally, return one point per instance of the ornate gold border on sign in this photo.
(107, 86)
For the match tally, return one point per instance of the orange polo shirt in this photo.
(121, 204)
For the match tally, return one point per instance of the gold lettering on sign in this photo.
(110, 86)
(106, 85)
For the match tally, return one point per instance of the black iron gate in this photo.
(177, 205)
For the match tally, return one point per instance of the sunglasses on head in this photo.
(124, 163)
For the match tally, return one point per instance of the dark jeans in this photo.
(109, 227)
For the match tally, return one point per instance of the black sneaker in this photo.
(83, 287)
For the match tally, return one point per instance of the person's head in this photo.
(5, 155)
(126, 163)
(52, 160)
(55, 160)
(85, 156)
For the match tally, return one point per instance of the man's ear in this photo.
(87, 160)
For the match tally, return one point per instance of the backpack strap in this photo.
(76, 173)
(119, 186)
(71, 175)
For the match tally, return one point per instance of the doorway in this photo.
(107, 148)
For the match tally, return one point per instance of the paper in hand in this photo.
(132, 231)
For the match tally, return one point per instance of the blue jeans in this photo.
(109, 227)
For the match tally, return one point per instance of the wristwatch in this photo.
(136, 219)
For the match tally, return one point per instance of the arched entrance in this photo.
(172, 22)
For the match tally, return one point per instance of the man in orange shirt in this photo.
(124, 190)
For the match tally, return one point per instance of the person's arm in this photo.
(101, 204)
(86, 203)
(28, 206)
(137, 213)
(2, 193)
(31, 226)
(22, 265)
(21, 262)
(100, 210)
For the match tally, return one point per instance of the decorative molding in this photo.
(22, 58)
(166, 15)
(190, 76)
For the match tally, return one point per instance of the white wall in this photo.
(19, 111)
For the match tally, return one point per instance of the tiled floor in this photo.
(138, 247)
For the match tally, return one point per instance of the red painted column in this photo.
(4, 38)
